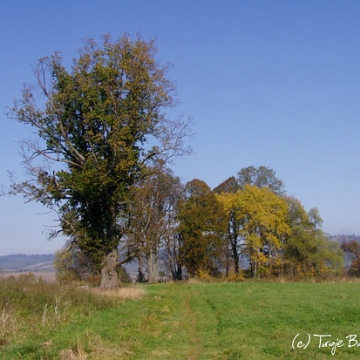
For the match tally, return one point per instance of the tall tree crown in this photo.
(104, 123)
(261, 177)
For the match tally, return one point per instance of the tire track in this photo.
(194, 337)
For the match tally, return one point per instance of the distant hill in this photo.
(32, 263)
(347, 238)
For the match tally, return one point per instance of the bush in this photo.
(235, 277)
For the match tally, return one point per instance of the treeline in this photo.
(193, 230)
(103, 140)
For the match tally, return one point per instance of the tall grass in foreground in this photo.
(33, 310)
(248, 320)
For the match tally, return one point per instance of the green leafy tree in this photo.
(315, 219)
(312, 254)
(102, 124)
(297, 215)
(202, 225)
(308, 252)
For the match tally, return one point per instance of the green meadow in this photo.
(244, 320)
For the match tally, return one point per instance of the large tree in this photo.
(202, 226)
(308, 251)
(101, 124)
(258, 226)
(152, 218)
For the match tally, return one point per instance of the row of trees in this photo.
(100, 161)
(246, 224)
(248, 219)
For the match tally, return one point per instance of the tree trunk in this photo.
(109, 276)
(233, 239)
(252, 265)
(153, 266)
(178, 275)
(227, 262)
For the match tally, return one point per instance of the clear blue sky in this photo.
(272, 83)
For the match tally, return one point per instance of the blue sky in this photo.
(272, 83)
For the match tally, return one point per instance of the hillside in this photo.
(22, 262)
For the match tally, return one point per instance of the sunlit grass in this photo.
(250, 320)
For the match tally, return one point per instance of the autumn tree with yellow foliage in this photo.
(258, 226)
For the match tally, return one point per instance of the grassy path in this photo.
(194, 338)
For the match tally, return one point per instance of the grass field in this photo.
(248, 320)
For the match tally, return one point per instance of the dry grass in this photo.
(77, 353)
(31, 307)
(127, 293)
